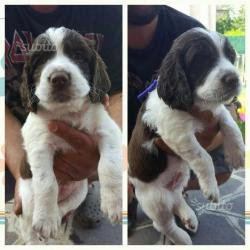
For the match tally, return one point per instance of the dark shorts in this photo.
(219, 162)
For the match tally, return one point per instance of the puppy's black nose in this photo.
(60, 79)
(230, 80)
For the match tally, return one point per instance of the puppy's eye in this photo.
(229, 52)
(78, 56)
(199, 58)
(232, 57)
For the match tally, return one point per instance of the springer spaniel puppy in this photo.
(64, 79)
(197, 71)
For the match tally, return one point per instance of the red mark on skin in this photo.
(173, 183)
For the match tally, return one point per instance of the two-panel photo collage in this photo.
(124, 125)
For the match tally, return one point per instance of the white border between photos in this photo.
(124, 3)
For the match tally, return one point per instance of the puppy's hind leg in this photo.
(185, 213)
(25, 230)
(158, 205)
(29, 236)
(75, 199)
(174, 233)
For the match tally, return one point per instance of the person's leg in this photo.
(132, 215)
(88, 214)
(10, 183)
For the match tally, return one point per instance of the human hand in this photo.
(17, 199)
(70, 166)
(83, 162)
(80, 163)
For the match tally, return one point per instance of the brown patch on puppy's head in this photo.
(81, 51)
(57, 53)
(100, 83)
(42, 50)
(192, 56)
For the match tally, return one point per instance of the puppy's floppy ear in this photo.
(100, 82)
(173, 86)
(27, 89)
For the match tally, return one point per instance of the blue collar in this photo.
(144, 94)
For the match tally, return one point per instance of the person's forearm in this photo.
(218, 140)
(13, 141)
(115, 108)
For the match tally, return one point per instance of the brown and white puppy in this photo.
(66, 80)
(197, 71)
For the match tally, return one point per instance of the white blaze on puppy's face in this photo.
(61, 79)
(61, 69)
(198, 69)
(223, 81)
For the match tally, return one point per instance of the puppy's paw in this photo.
(111, 205)
(235, 154)
(211, 191)
(47, 226)
(191, 223)
(183, 239)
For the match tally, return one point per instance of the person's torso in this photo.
(23, 25)
(143, 64)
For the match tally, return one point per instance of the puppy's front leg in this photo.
(234, 149)
(110, 168)
(189, 149)
(46, 219)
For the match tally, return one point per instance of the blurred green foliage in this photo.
(231, 23)
(241, 125)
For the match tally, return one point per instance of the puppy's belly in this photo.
(65, 190)
(27, 195)
(175, 176)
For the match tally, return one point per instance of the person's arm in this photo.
(218, 139)
(14, 152)
(13, 140)
(115, 108)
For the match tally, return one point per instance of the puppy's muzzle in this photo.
(230, 81)
(60, 79)
(60, 82)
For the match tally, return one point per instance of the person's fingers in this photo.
(62, 178)
(163, 146)
(17, 206)
(74, 137)
(66, 172)
(62, 171)
(106, 101)
(160, 144)
(17, 201)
